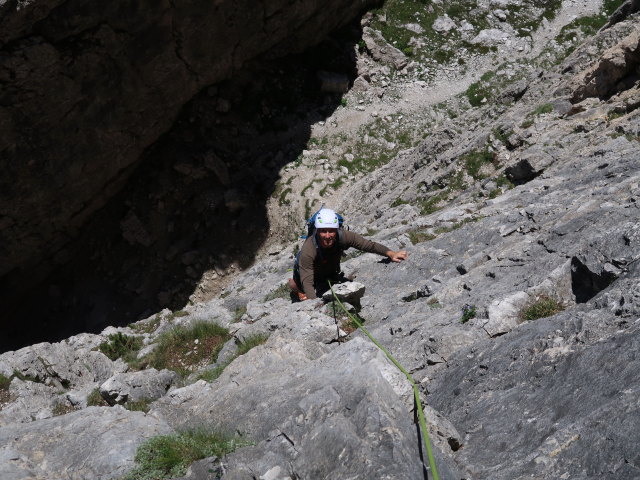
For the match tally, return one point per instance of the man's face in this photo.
(327, 237)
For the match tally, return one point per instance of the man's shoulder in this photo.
(349, 236)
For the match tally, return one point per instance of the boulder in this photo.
(139, 386)
(350, 292)
(97, 442)
(381, 51)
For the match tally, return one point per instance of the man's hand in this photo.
(397, 256)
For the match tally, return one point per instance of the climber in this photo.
(318, 262)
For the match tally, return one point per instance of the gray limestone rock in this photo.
(97, 442)
(60, 364)
(350, 292)
(490, 37)
(148, 384)
(303, 424)
(381, 51)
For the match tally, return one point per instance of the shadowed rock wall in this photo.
(85, 88)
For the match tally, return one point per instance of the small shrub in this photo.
(468, 312)
(282, 291)
(526, 123)
(119, 345)
(495, 193)
(169, 456)
(95, 399)
(541, 308)
(480, 90)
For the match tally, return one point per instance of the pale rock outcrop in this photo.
(146, 385)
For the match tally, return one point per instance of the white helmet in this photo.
(326, 218)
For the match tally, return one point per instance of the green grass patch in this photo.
(456, 225)
(541, 308)
(542, 109)
(418, 236)
(25, 378)
(250, 342)
(496, 192)
(95, 399)
(147, 326)
(503, 181)
(283, 196)
(62, 408)
(397, 202)
(610, 6)
(119, 345)
(433, 302)
(139, 406)
(502, 135)
(333, 185)
(432, 204)
(169, 456)
(475, 160)
(4, 382)
(310, 185)
(480, 90)
(185, 349)
(238, 313)
(282, 291)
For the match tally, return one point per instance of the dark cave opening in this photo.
(194, 207)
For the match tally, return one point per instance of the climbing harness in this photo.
(416, 395)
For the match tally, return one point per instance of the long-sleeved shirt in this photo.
(318, 265)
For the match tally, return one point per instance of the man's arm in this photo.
(354, 240)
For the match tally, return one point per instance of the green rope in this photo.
(416, 396)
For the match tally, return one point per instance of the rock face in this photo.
(86, 90)
(517, 313)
